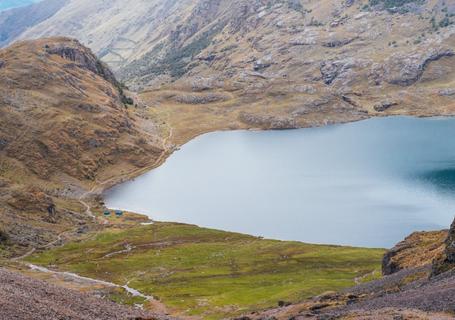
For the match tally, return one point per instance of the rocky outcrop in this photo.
(418, 249)
(450, 244)
(267, 122)
(30, 200)
(407, 69)
(447, 92)
(342, 70)
(83, 57)
(384, 105)
(447, 260)
(193, 98)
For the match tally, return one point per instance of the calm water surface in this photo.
(368, 183)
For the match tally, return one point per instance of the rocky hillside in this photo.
(63, 124)
(26, 298)
(271, 64)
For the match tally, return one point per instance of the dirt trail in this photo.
(358, 280)
(133, 292)
(23, 297)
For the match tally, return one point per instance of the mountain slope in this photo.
(25, 298)
(15, 21)
(271, 64)
(63, 125)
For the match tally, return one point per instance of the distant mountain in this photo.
(16, 21)
(322, 49)
(9, 4)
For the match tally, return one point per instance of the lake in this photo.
(367, 183)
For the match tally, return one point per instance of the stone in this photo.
(450, 244)
(263, 63)
(384, 105)
(3, 143)
(447, 92)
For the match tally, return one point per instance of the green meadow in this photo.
(212, 273)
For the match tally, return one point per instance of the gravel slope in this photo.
(26, 298)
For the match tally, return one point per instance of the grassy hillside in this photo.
(198, 271)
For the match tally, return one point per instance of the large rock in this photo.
(450, 243)
(447, 260)
(418, 249)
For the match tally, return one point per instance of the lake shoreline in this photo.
(285, 237)
(116, 180)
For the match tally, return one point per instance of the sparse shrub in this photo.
(315, 23)
(3, 236)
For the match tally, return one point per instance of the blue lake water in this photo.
(368, 183)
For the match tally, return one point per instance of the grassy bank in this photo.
(211, 273)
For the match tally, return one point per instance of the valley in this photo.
(96, 93)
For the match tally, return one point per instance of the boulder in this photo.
(447, 92)
(384, 105)
(417, 250)
(446, 261)
(450, 243)
(263, 63)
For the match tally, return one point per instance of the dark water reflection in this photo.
(368, 183)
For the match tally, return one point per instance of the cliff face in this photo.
(62, 125)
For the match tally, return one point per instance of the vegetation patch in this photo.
(212, 273)
(394, 5)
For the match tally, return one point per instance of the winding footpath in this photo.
(133, 292)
